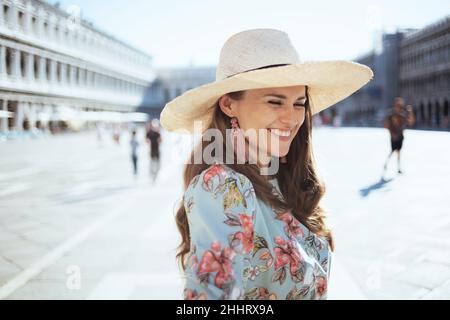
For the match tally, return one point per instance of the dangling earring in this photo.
(237, 135)
(283, 159)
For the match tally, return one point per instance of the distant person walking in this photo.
(154, 140)
(116, 134)
(396, 122)
(134, 147)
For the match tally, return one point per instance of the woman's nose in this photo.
(289, 116)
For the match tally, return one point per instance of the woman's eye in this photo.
(279, 103)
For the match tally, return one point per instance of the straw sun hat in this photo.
(264, 58)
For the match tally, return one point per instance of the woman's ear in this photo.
(226, 105)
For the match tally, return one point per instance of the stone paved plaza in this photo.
(76, 224)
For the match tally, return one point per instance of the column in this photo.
(61, 30)
(53, 78)
(58, 31)
(82, 77)
(72, 75)
(63, 73)
(18, 121)
(51, 27)
(27, 17)
(13, 16)
(89, 81)
(433, 115)
(69, 37)
(26, 112)
(47, 114)
(37, 111)
(30, 67)
(32, 116)
(41, 68)
(2, 17)
(40, 22)
(15, 60)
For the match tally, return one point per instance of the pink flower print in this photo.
(287, 255)
(211, 173)
(265, 295)
(292, 227)
(243, 237)
(246, 236)
(321, 286)
(266, 256)
(218, 261)
(253, 273)
(259, 293)
(190, 294)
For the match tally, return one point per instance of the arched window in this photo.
(8, 60)
(36, 66)
(21, 20)
(58, 71)
(68, 73)
(34, 24)
(6, 13)
(45, 28)
(422, 113)
(47, 69)
(446, 108)
(437, 114)
(429, 120)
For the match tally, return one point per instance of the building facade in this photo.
(424, 75)
(55, 66)
(172, 82)
(413, 64)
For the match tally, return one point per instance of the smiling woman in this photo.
(246, 234)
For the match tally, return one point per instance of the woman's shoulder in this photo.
(219, 187)
(216, 177)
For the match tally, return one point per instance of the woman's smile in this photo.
(282, 134)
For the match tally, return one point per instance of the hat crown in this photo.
(253, 49)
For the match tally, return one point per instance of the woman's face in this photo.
(279, 112)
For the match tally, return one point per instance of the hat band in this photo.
(265, 67)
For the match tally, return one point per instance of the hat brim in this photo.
(328, 83)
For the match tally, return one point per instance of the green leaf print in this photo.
(233, 197)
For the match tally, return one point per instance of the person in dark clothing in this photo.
(396, 122)
(134, 144)
(154, 139)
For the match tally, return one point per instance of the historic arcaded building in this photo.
(424, 77)
(55, 66)
(413, 64)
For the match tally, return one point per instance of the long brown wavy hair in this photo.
(298, 181)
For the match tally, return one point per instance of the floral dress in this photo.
(242, 249)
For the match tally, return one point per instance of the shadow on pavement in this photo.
(377, 185)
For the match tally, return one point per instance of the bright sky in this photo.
(191, 32)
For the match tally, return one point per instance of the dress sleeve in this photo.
(220, 207)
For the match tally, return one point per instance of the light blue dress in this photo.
(241, 249)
